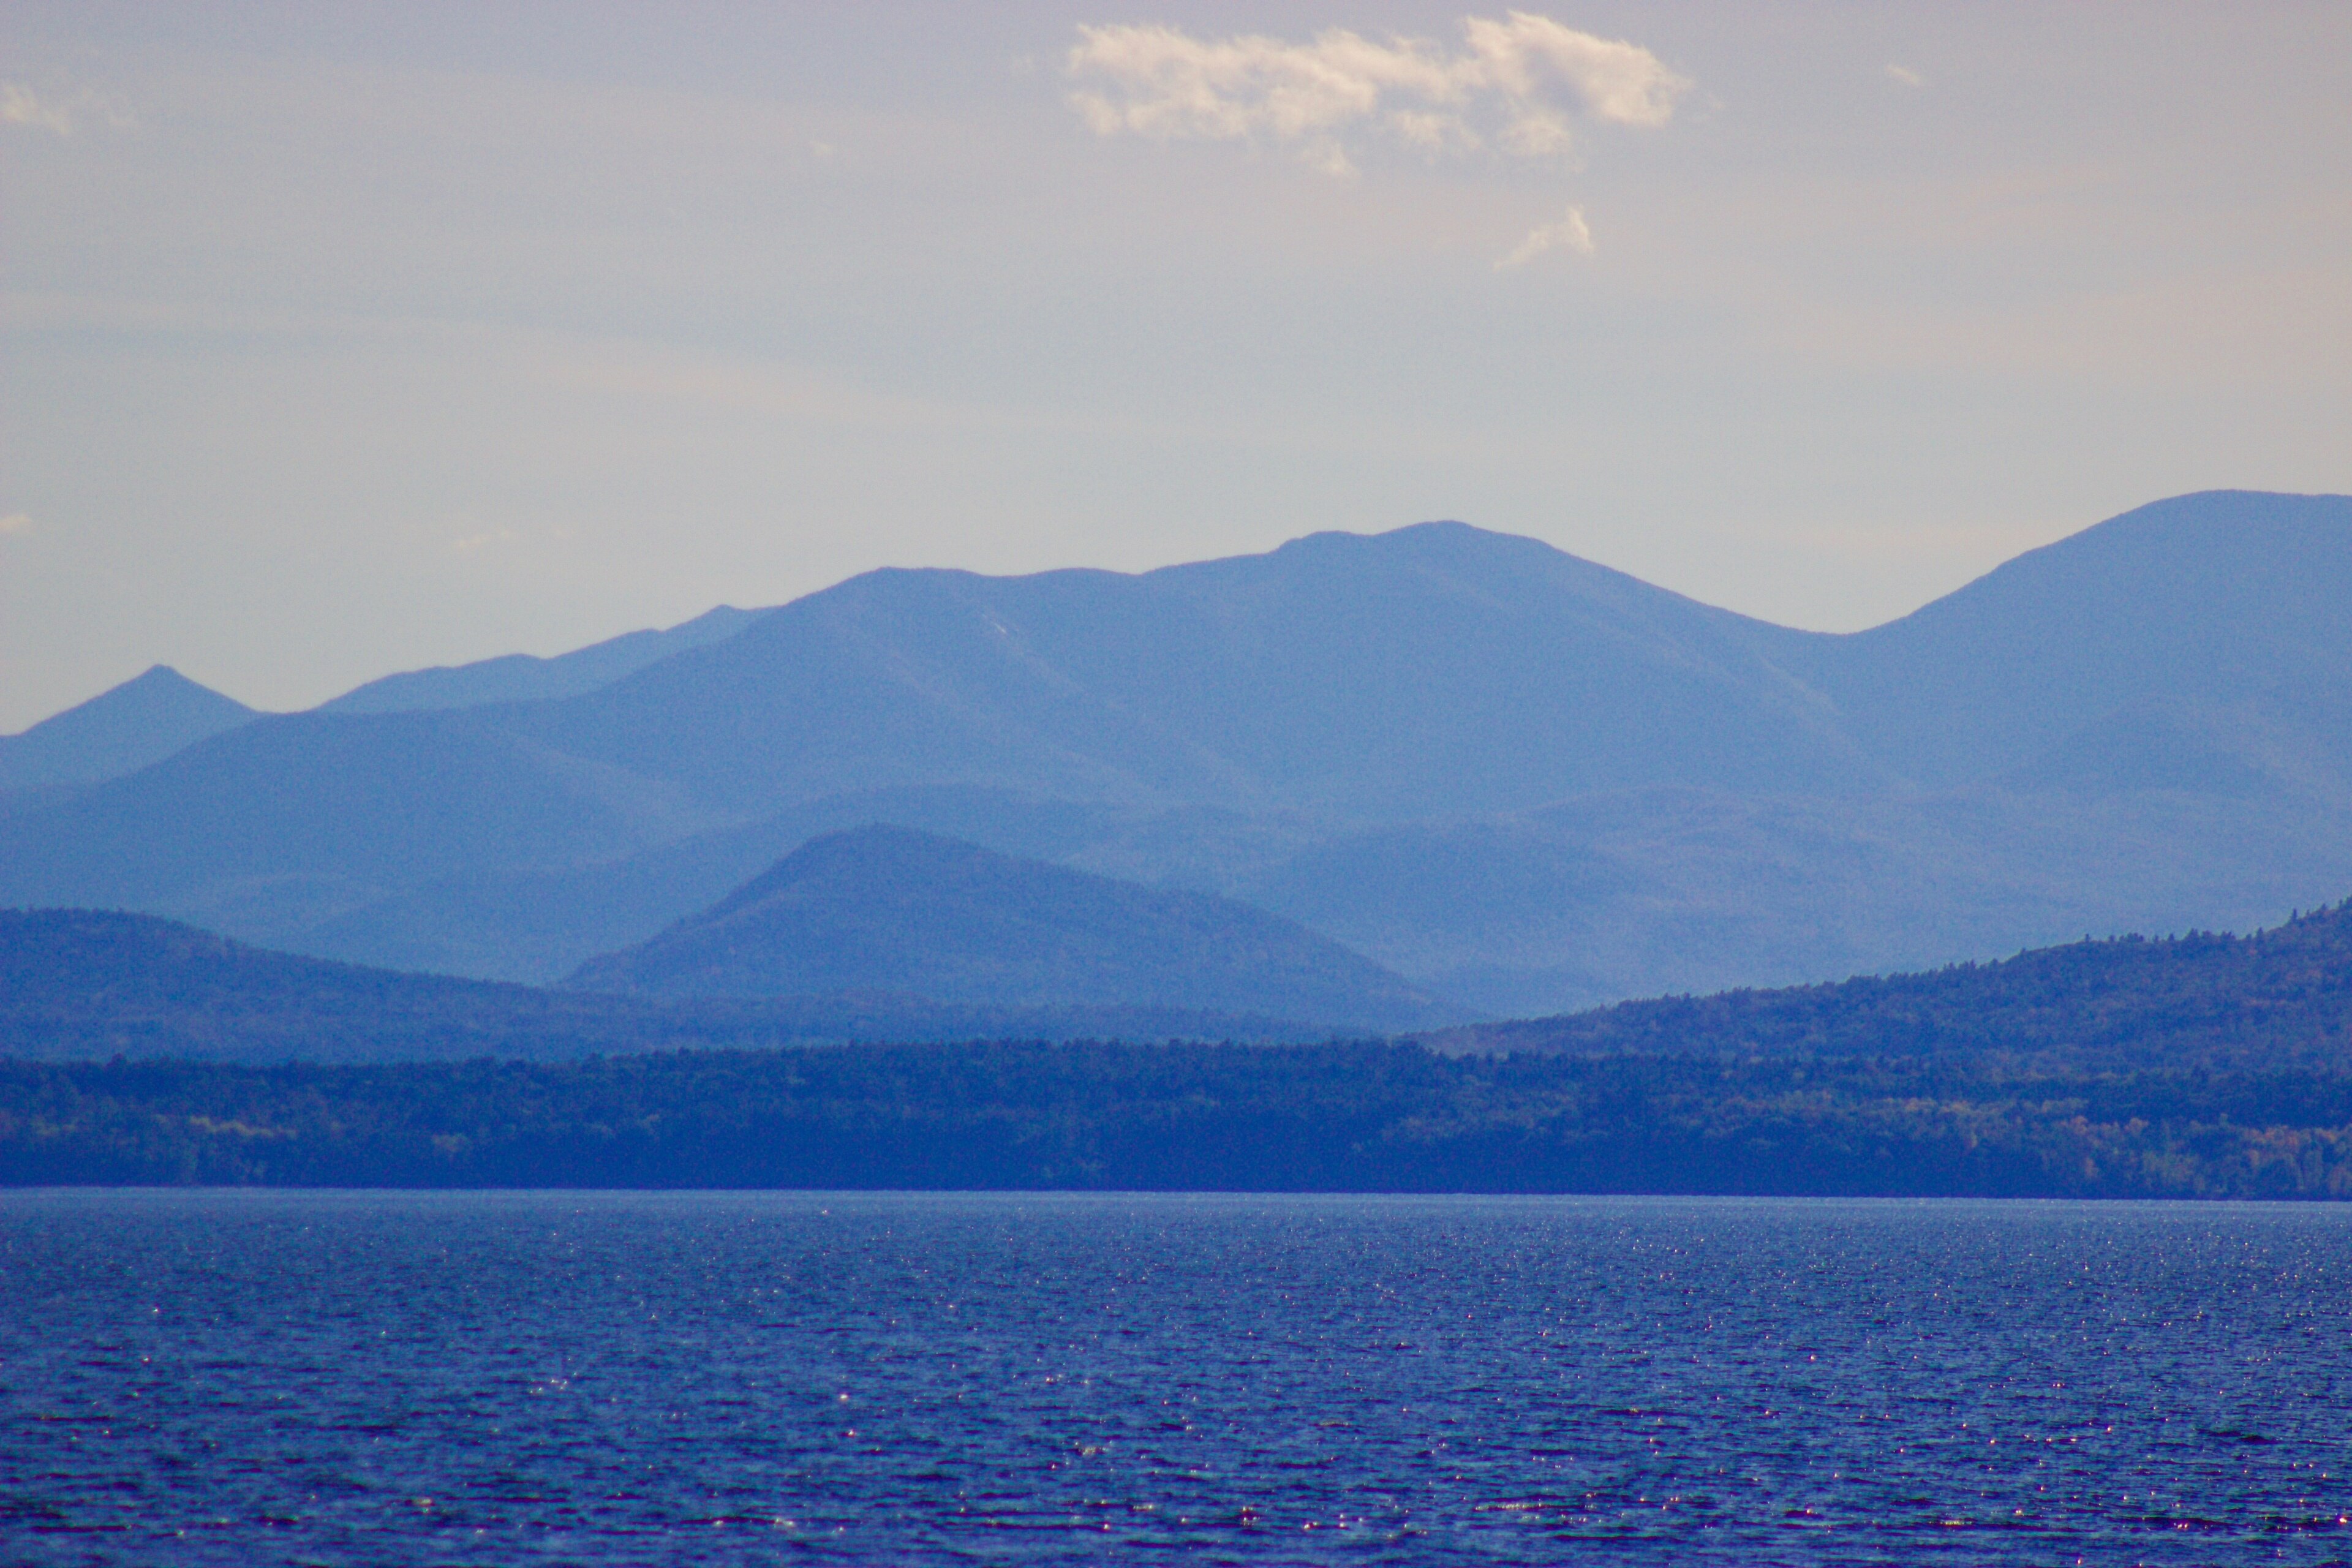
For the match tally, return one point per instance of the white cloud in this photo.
(1514, 86)
(1527, 57)
(15, 522)
(1571, 233)
(1905, 75)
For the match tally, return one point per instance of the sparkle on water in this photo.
(371, 1377)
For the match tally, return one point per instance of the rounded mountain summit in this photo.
(896, 910)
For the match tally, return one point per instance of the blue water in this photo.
(279, 1377)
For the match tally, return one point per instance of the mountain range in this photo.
(163, 713)
(1521, 781)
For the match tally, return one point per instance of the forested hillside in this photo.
(2278, 998)
(2204, 1066)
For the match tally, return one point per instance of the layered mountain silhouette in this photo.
(89, 983)
(163, 713)
(2270, 1001)
(523, 677)
(120, 731)
(1518, 779)
(78, 984)
(891, 910)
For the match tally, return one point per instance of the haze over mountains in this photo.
(142, 721)
(892, 909)
(522, 678)
(163, 713)
(1522, 781)
(78, 984)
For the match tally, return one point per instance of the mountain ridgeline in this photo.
(120, 731)
(78, 983)
(1525, 783)
(521, 677)
(2277, 999)
(87, 983)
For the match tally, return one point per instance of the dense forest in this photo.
(1384, 1117)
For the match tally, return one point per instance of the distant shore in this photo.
(1092, 1117)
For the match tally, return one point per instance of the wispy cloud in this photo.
(15, 522)
(1905, 75)
(20, 105)
(1516, 86)
(1571, 233)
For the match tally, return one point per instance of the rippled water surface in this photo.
(258, 1377)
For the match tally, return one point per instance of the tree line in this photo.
(1368, 1117)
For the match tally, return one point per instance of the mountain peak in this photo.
(2212, 598)
(145, 720)
(893, 909)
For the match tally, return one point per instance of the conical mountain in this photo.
(142, 721)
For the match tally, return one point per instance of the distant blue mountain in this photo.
(142, 721)
(523, 677)
(1633, 893)
(1518, 779)
(163, 713)
(1434, 669)
(82, 984)
(894, 910)
(2222, 598)
(536, 925)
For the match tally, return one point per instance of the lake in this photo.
(241, 1378)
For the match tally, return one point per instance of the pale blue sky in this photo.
(341, 340)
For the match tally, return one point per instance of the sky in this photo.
(336, 340)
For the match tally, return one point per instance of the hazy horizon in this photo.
(343, 342)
